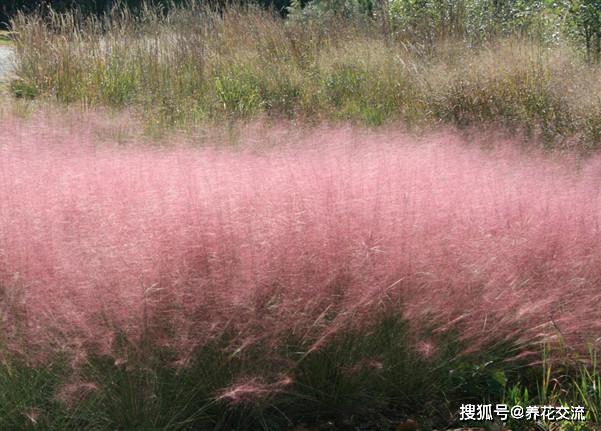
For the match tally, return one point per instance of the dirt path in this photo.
(5, 61)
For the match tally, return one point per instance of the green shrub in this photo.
(21, 88)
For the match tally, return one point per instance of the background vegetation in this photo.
(530, 67)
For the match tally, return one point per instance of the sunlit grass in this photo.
(300, 276)
(195, 65)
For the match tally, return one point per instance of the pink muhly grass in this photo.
(173, 246)
(73, 393)
(252, 390)
(426, 348)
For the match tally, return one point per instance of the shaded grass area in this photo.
(193, 65)
(373, 380)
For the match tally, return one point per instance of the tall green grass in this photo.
(192, 65)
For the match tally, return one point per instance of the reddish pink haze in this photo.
(180, 243)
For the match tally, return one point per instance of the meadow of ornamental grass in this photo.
(293, 276)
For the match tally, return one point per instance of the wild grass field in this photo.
(199, 65)
(219, 219)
